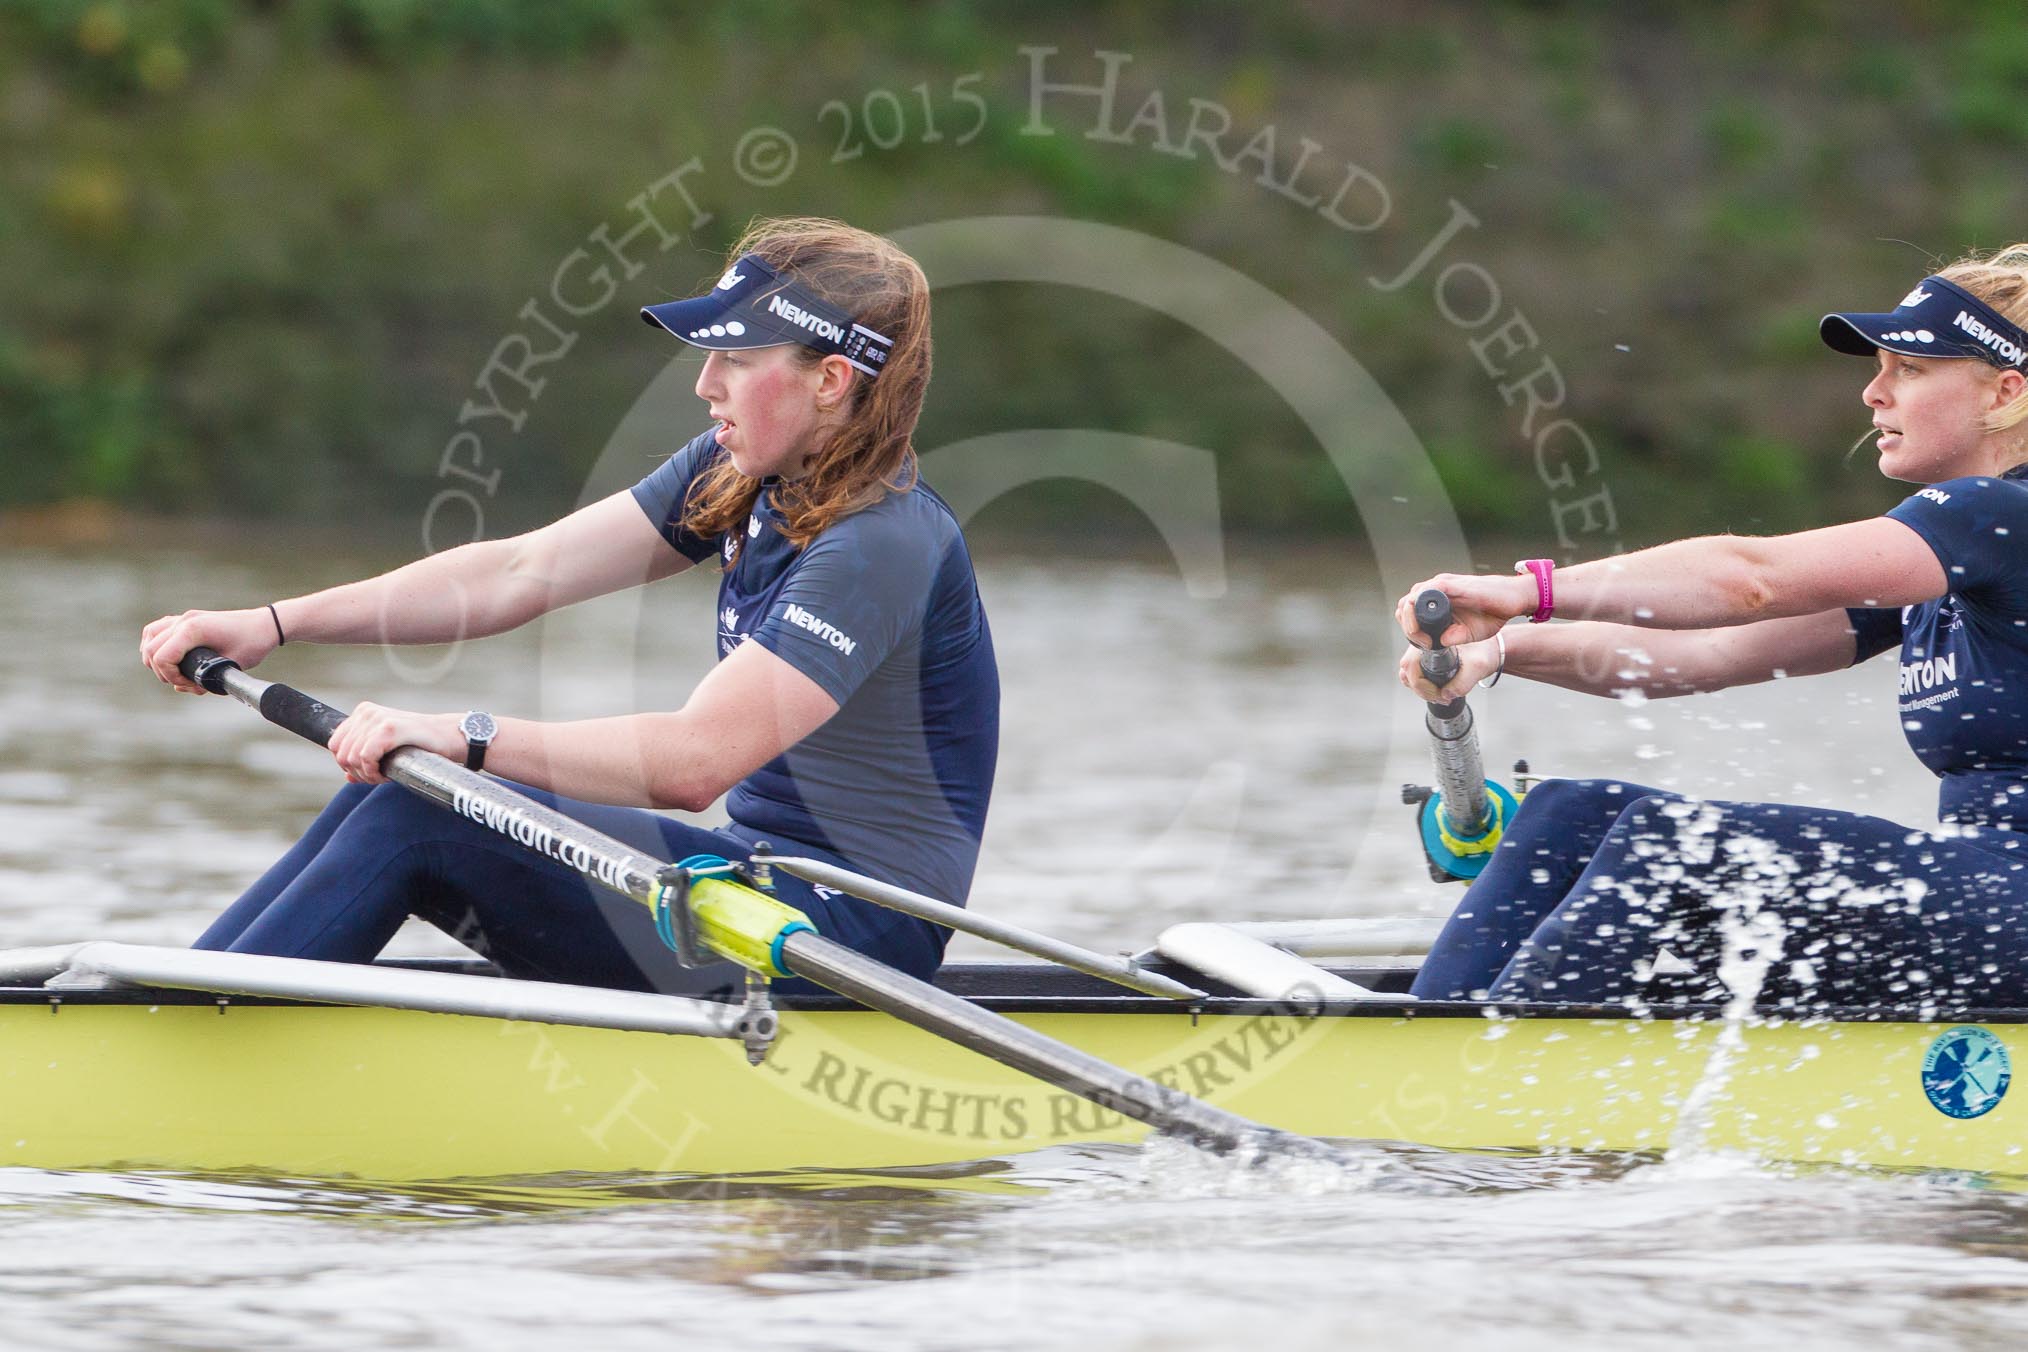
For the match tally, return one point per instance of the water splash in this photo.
(1752, 939)
(1175, 1168)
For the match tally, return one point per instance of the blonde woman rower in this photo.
(1596, 878)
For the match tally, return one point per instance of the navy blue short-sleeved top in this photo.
(1964, 656)
(882, 610)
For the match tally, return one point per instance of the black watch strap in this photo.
(479, 730)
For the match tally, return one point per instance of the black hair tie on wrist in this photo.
(281, 639)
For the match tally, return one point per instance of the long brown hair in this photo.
(872, 453)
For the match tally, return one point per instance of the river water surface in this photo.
(1166, 756)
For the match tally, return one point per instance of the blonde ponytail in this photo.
(2000, 279)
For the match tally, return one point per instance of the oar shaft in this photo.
(1122, 971)
(805, 953)
(465, 792)
(860, 978)
(1460, 770)
(1454, 738)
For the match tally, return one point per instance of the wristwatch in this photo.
(479, 730)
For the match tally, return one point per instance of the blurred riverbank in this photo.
(262, 260)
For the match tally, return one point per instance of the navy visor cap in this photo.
(753, 307)
(1937, 319)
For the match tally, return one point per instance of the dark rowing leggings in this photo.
(376, 856)
(1596, 877)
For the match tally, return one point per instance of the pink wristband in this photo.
(1545, 594)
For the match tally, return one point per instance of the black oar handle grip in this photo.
(282, 705)
(206, 667)
(1433, 616)
(287, 707)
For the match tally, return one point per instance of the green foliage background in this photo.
(253, 254)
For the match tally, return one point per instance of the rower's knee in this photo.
(390, 814)
(1664, 814)
(350, 797)
(1590, 792)
(1561, 803)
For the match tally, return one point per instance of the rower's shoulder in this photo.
(1975, 507)
(915, 515)
(2010, 488)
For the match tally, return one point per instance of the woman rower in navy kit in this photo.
(1595, 878)
(853, 713)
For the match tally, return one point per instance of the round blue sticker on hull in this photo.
(1966, 1072)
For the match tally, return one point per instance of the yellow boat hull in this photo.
(406, 1096)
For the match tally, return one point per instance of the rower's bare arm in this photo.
(491, 586)
(1724, 580)
(1604, 659)
(478, 589)
(1708, 583)
(752, 707)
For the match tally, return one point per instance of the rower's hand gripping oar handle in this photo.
(1439, 664)
(284, 706)
(1461, 822)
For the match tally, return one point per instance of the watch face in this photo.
(479, 727)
